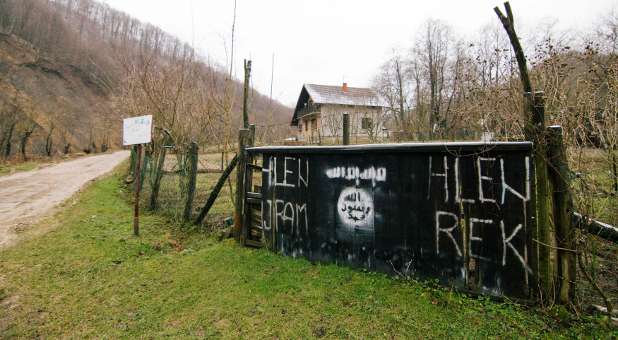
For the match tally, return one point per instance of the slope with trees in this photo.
(71, 69)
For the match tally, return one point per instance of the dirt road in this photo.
(26, 197)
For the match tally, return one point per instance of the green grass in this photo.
(90, 278)
(10, 168)
(593, 188)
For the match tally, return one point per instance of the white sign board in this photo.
(137, 130)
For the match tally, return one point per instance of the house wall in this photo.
(326, 126)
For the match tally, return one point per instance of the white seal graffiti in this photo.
(355, 209)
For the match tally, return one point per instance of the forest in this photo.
(445, 86)
(71, 69)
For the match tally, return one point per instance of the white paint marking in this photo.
(483, 178)
(354, 173)
(506, 187)
(458, 198)
(304, 180)
(476, 238)
(448, 230)
(506, 241)
(433, 174)
(303, 209)
(355, 208)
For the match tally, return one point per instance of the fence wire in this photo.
(174, 190)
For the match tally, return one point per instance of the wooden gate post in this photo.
(244, 136)
(247, 186)
(560, 177)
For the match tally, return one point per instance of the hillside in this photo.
(36, 90)
(70, 70)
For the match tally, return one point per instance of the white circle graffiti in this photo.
(355, 208)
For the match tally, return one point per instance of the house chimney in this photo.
(344, 87)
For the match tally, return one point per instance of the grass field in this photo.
(593, 185)
(10, 168)
(90, 278)
(15, 164)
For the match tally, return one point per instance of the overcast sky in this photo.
(331, 41)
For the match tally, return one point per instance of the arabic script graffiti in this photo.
(355, 209)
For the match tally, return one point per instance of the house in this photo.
(320, 108)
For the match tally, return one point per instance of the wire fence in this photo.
(176, 189)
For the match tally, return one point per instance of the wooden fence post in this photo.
(244, 136)
(563, 209)
(544, 249)
(346, 129)
(193, 154)
(245, 107)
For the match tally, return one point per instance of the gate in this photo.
(252, 232)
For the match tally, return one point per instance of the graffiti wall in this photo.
(460, 213)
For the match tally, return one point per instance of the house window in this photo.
(366, 123)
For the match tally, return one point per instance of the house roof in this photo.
(327, 94)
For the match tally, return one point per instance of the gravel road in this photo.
(26, 197)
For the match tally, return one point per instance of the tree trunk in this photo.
(614, 170)
(49, 142)
(24, 142)
(8, 145)
(401, 101)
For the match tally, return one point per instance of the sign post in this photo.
(138, 189)
(137, 131)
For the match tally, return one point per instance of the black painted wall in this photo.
(460, 213)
